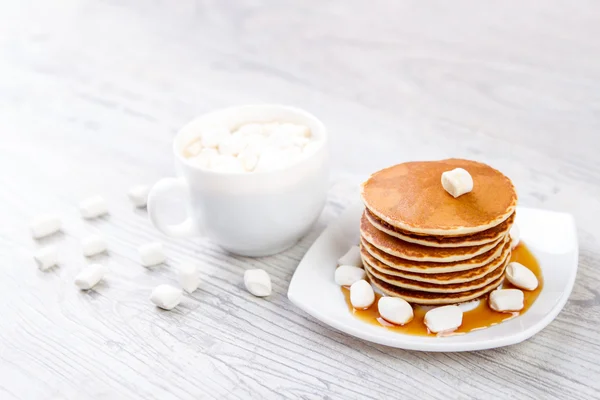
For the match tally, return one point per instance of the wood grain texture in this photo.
(92, 92)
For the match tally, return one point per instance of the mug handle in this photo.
(165, 188)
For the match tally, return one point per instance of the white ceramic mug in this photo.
(251, 214)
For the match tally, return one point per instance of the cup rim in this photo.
(321, 127)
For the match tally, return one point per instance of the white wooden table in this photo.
(92, 92)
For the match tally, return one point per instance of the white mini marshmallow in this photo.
(280, 139)
(296, 130)
(212, 136)
(361, 294)
(166, 297)
(249, 159)
(395, 310)
(301, 141)
(258, 282)
(46, 257)
(521, 276)
(250, 129)
(90, 276)
(515, 236)
(352, 257)
(194, 148)
(189, 277)
(457, 182)
(312, 147)
(346, 275)
(228, 164)
(93, 207)
(205, 158)
(443, 319)
(506, 300)
(138, 195)
(232, 145)
(44, 225)
(92, 245)
(151, 254)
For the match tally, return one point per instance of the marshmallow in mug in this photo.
(251, 147)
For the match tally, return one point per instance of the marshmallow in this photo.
(361, 295)
(249, 159)
(92, 245)
(352, 257)
(212, 136)
(205, 158)
(166, 297)
(506, 300)
(44, 225)
(521, 276)
(194, 148)
(258, 282)
(189, 277)
(151, 254)
(294, 130)
(395, 310)
(443, 319)
(93, 207)
(457, 182)
(312, 147)
(301, 141)
(515, 236)
(346, 275)
(138, 195)
(223, 163)
(90, 276)
(232, 145)
(46, 257)
(280, 139)
(250, 129)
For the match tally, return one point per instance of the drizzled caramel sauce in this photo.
(481, 317)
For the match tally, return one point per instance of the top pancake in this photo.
(410, 197)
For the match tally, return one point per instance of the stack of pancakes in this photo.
(420, 243)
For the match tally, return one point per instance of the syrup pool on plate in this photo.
(480, 317)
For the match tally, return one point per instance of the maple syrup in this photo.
(481, 317)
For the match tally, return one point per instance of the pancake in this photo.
(404, 265)
(443, 289)
(475, 239)
(429, 298)
(447, 278)
(416, 252)
(410, 197)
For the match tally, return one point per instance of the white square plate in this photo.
(550, 236)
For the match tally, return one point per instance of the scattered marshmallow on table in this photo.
(457, 182)
(506, 300)
(93, 207)
(151, 254)
(352, 257)
(44, 225)
(346, 275)
(90, 276)
(166, 297)
(189, 277)
(395, 310)
(361, 295)
(444, 319)
(258, 282)
(92, 245)
(515, 236)
(46, 257)
(138, 195)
